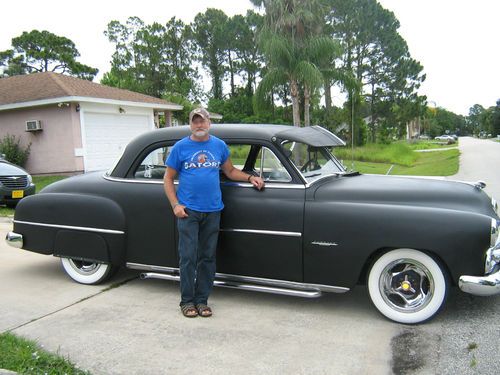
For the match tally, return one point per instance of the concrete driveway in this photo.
(132, 326)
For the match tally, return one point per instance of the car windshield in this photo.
(312, 162)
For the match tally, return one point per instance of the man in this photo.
(197, 205)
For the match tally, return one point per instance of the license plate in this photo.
(18, 194)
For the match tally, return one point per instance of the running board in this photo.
(313, 293)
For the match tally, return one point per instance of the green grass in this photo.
(438, 163)
(427, 145)
(27, 357)
(40, 183)
(395, 153)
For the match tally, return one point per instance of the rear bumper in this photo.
(14, 240)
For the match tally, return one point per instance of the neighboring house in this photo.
(75, 125)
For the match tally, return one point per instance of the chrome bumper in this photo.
(489, 284)
(14, 240)
(481, 285)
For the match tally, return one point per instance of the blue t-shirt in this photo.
(198, 164)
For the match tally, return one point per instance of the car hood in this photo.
(7, 169)
(403, 191)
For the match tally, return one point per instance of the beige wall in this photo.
(53, 148)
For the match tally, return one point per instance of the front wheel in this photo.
(87, 272)
(407, 286)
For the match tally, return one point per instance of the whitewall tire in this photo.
(86, 272)
(407, 286)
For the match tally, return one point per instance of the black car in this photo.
(15, 183)
(314, 228)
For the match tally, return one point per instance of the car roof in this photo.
(312, 135)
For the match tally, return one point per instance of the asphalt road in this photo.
(136, 326)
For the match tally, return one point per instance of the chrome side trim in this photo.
(135, 181)
(247, 279)
(320, 243)
(269, 232)
(88, 229)
(269, 185)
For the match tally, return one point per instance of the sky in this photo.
(456, 41)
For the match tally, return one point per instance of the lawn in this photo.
(26, 357)
(438, 163)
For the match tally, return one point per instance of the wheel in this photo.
(407, 286)
(87, 272)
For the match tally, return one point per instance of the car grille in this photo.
(14, 182)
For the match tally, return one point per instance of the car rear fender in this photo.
(80, 226)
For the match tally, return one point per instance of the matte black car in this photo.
(314, 228)
(15, 183)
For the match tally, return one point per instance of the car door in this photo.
(261, 231)
(151, 232)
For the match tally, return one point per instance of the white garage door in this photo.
(106, 136)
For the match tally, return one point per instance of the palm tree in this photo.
(292, 45)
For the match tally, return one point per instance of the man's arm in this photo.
(235, 174)
(168, 184)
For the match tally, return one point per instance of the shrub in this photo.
(10, 146)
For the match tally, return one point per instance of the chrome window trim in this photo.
(267, 232)
(248, 279)
(269, 185)
(87, 229)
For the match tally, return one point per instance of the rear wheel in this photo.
(407, 286)
(87, 272)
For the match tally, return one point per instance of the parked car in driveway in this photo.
(15, 183)
(446, 138)
(314, 228)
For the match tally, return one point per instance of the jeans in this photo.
(198, 235)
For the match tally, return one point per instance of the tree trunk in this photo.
(231, 71)
(328, 95)
(294, 91)
(307, 100)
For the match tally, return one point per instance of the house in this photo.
(74, 125)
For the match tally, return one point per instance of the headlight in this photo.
(494, 204)
(30, 179)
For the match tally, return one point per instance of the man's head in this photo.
(199, 121)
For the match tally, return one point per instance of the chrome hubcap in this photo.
(83, 267)
(406, 285)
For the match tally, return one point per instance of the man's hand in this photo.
(257, 182)
(179, 211)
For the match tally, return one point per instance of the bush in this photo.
(10, 146)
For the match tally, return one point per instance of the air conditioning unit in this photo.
(33, 125)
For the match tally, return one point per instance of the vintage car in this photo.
(314, 228)
(15, 183)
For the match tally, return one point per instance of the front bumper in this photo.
(489, 284)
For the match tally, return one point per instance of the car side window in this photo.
(153, 166)
(270, 168)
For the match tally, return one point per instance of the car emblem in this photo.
(14, 177)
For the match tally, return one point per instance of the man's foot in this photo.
(203, 310)
(189, 311)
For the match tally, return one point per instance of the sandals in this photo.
(203, 310)
(189, 311)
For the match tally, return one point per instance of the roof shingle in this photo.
(48, 85)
